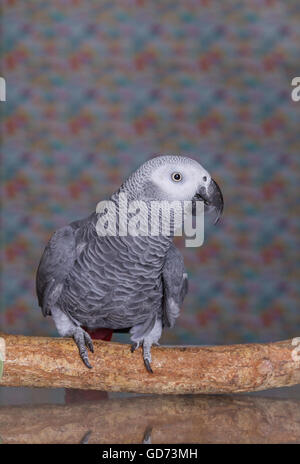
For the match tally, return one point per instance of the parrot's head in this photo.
(171, 178)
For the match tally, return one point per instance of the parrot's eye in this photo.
(176, 176)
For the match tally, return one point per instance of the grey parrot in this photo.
(124, 283)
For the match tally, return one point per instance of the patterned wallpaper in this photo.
(95, 87)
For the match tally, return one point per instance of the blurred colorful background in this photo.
(95, 87)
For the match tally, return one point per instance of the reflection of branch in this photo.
(54, 362)
(191, 419)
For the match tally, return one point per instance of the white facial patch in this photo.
(192, 178)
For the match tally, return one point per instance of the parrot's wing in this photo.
(175, 285)
(56, 262)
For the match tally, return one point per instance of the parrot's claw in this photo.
(82, 339)
(88, 342)
(134, 346)
(148, 365)
(85, 359)
(147, 355)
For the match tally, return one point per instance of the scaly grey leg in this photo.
(147, 341)
(67, 328)
(82, 339)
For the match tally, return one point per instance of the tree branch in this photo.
(54, 362)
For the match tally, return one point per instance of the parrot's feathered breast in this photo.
(115, 282)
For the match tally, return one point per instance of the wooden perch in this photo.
(54, 362)
(185, 419)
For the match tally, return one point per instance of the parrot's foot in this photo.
(146, 355)
(83, 340)
(146, 339)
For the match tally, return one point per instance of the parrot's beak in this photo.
(212, 197)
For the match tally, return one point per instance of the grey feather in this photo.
(56, 263)
(116, 281)
(175, 284)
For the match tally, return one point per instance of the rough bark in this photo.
(193, 419)
(54, 362)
